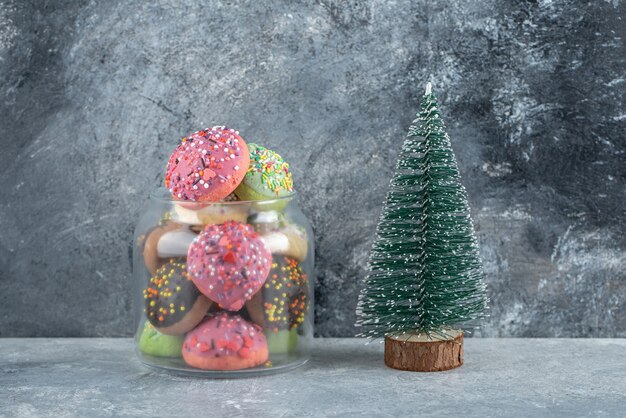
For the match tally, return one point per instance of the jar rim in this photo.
(162, 194)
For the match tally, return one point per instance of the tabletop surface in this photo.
(345, 377)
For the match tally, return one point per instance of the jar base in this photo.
(180, 368)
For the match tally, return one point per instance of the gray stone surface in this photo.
(500, 377)
(95, 95)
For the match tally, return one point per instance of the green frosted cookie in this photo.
(156, 344)
(282, 342)
(268, 176)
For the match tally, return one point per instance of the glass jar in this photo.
(223, 289)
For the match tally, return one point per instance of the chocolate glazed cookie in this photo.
(173, 304)
(282, 302)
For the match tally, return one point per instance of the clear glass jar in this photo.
(233, 310)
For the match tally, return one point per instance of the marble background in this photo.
(95, 95)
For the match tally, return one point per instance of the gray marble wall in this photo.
(95, 95)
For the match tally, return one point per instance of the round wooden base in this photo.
(419, 353)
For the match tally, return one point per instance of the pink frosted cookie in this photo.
(225, 342)
(228, 263)
(207, 165)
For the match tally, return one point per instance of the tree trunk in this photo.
(421, 353)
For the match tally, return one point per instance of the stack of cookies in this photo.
(226, 287)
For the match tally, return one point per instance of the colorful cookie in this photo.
(175, 243)
(267, 177)
(283, 301)
(150, 242)
(282, 341)
(228, 263)
(290, 241)
(164, 242)
(154, 343)
(207, 165)
(173, 304)
(215, 213)
(225, 342)
(267, 221)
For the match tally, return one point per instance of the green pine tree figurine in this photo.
(425, 274)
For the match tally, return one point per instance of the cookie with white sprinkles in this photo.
(207, 165)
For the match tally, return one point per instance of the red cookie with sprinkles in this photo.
(207, 165)
(228, 263)
(225, 342)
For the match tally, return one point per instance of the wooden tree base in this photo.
(418, 353)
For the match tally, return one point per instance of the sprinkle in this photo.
(273, 169)
(184, 167)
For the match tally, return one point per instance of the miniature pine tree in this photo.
(425, 274)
